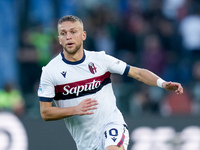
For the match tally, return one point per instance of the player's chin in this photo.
(70, 50)
(69, 47)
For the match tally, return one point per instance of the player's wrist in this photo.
(160, 82)
(75, 110)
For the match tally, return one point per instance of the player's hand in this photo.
(84, 107)
(173, 86)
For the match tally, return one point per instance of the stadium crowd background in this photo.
(160, 35)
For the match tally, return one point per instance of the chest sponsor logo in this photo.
(81, 88)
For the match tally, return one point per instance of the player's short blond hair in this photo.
(69, 18)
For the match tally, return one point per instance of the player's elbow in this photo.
(135, 73)
(140, 75)
(45, 116)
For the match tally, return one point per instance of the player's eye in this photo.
(73, 31)
(62, 33)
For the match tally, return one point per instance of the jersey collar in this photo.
(73, 63)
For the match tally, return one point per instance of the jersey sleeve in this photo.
(116, 66)
(46, 90)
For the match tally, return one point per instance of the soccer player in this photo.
(79, 82)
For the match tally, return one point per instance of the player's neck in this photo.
(74, 57)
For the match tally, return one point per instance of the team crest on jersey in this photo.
(92, 68)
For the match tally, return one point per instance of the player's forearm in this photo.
(56, 113)
(148, 77)
(144, 76)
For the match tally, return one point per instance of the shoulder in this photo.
(95, 54)
(53, 63)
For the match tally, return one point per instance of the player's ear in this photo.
(84, 35)
(59, 40)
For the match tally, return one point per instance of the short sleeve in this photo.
(46, 90)
(116, 66)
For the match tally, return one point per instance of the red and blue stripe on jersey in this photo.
(81, 88)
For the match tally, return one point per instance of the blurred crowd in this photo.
(160, 35)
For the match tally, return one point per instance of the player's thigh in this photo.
(116, 137)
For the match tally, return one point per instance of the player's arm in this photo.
(49, 112)
(150, 78)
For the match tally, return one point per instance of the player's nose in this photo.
(68, 36)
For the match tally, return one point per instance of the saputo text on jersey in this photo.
(80, 88)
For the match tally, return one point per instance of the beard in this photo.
(72, 51)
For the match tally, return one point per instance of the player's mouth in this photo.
(69, 44)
